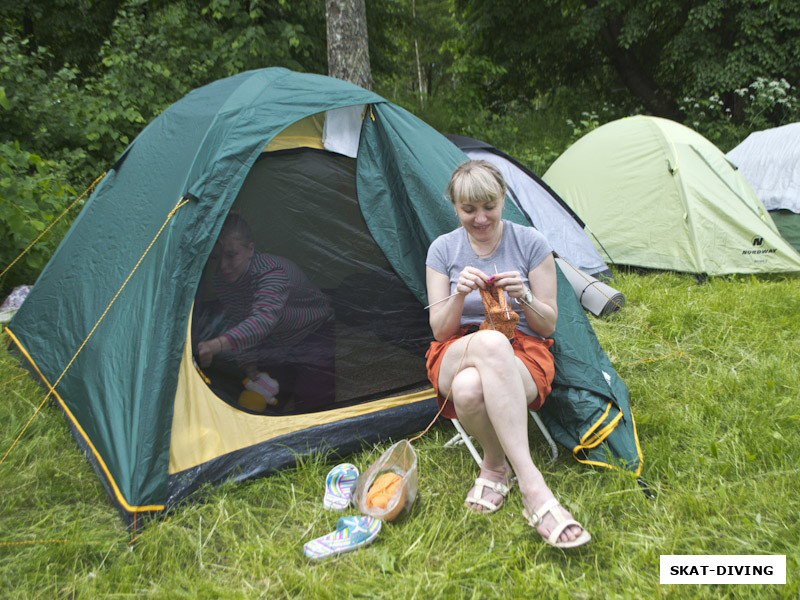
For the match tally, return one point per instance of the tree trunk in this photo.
(420, 81)
(28, 31)
(643, 87)
(633, 75)
(348, 44)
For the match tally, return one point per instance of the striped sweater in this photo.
(272, 298)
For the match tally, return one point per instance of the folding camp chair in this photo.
(462, 437)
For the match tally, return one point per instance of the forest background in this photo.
(80, 78)
(717, 419)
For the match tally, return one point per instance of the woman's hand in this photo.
(205, 352)
(445, 306)
(470, 279)
(209, 348)
(542, 311)
(511, 282)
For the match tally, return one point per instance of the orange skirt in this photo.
(534, 353)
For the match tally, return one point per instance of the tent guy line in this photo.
(49, 227)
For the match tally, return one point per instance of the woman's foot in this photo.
(490, 490)
(553, 522)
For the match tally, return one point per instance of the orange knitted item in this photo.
(498, 315)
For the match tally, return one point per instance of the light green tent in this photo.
(115, 303)
(657, 194)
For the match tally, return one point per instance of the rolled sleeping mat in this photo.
(594, 295)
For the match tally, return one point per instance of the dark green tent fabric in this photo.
(165, 201)
(202, 147)
(397, 199)
(588, 395)
(788, 223)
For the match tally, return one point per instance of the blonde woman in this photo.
(493, 381)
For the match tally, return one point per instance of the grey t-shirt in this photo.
(521, 249)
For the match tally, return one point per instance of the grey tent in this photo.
(545, 209)
(770, 162)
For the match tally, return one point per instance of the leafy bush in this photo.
(32, 196)
(36, 105)
(81, 123)
(762, 104)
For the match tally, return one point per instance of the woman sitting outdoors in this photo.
(493, 381)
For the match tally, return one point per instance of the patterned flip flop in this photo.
(351, 533)
(339, 485)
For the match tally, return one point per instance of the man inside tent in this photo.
(276, 327)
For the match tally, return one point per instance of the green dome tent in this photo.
(332, 176)
(657, 194)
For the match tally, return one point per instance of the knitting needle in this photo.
(529, 306)
(520, 302)
(447, 298)
(442, 300)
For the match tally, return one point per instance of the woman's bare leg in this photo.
(490, 390)
(467, 397)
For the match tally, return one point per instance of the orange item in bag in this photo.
(383, 490)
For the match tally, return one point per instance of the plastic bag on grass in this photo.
(401, 460)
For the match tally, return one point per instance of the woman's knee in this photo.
(467, 390)
(491, 345)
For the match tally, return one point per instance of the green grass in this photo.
(718, 428)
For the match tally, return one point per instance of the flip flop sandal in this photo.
(339, 485)
(351, 533)
(477, 495)
(554, 507)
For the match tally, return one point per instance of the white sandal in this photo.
(477, 495)
(554, 507)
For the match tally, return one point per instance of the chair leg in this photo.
(456, 440)
(547, 436)
(462, 437)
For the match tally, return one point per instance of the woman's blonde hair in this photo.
(476, 181)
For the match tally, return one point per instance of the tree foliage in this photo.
(80, 78)
(659, 52)
(32, 196)
(72, 30)
(155, 53)
(406, 29)
(62, 123)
